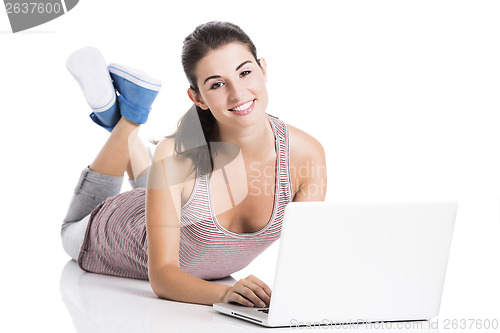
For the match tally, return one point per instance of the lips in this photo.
(244, 108)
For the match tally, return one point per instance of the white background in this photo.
(403, 95)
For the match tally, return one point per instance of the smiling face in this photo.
(232, 85)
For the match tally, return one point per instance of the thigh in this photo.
(115, 243)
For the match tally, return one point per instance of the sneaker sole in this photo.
(136, 76)
(88, 67)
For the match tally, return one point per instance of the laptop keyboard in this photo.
(264, 310)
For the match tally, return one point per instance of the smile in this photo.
(244, 108)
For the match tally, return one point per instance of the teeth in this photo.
(243, 107)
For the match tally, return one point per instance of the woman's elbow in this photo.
(159, 281)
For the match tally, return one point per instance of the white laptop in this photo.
(357, 263)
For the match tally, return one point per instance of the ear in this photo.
(263, 67)
(196, 98)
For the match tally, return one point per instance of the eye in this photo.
(245, 73)
(216, 85)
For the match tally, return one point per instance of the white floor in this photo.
(78, 301)
(47, 291)
(92, 303)
(98, 303)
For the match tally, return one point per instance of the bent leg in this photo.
(122, 152)
(92, 189)
(114, 157)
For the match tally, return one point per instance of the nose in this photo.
(236, 91)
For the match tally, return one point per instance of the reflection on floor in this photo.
(100, 303)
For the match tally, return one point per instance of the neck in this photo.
(251, 139)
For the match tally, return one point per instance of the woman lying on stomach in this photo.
(217, 189)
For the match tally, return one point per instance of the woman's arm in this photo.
(163, 203)
(308, 166)
(167, 280)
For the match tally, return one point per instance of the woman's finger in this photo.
(248, 292)
(235, 297)
(261, 284)
(259, 293)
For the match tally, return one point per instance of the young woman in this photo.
(216, 189)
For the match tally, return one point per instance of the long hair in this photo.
(198, 127)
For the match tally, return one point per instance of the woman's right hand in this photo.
(249, 292)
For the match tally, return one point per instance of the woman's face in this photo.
(232, 85)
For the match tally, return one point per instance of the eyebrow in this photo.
(218, 76)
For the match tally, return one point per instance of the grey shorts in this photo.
(92, 189)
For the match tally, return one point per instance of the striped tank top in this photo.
(115, 241)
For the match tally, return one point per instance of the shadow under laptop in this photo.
(100, 303)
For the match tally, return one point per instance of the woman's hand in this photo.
(249, 292)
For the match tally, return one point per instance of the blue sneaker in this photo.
(137, 92)
(88, 67)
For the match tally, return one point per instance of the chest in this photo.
(241, 195)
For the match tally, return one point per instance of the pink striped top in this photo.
(115, 242)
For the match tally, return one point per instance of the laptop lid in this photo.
(341, 263)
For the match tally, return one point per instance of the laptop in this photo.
(357, 263)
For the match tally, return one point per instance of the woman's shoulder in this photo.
(307, 166)
(166, 154)
(304, 146)
(164, 148)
